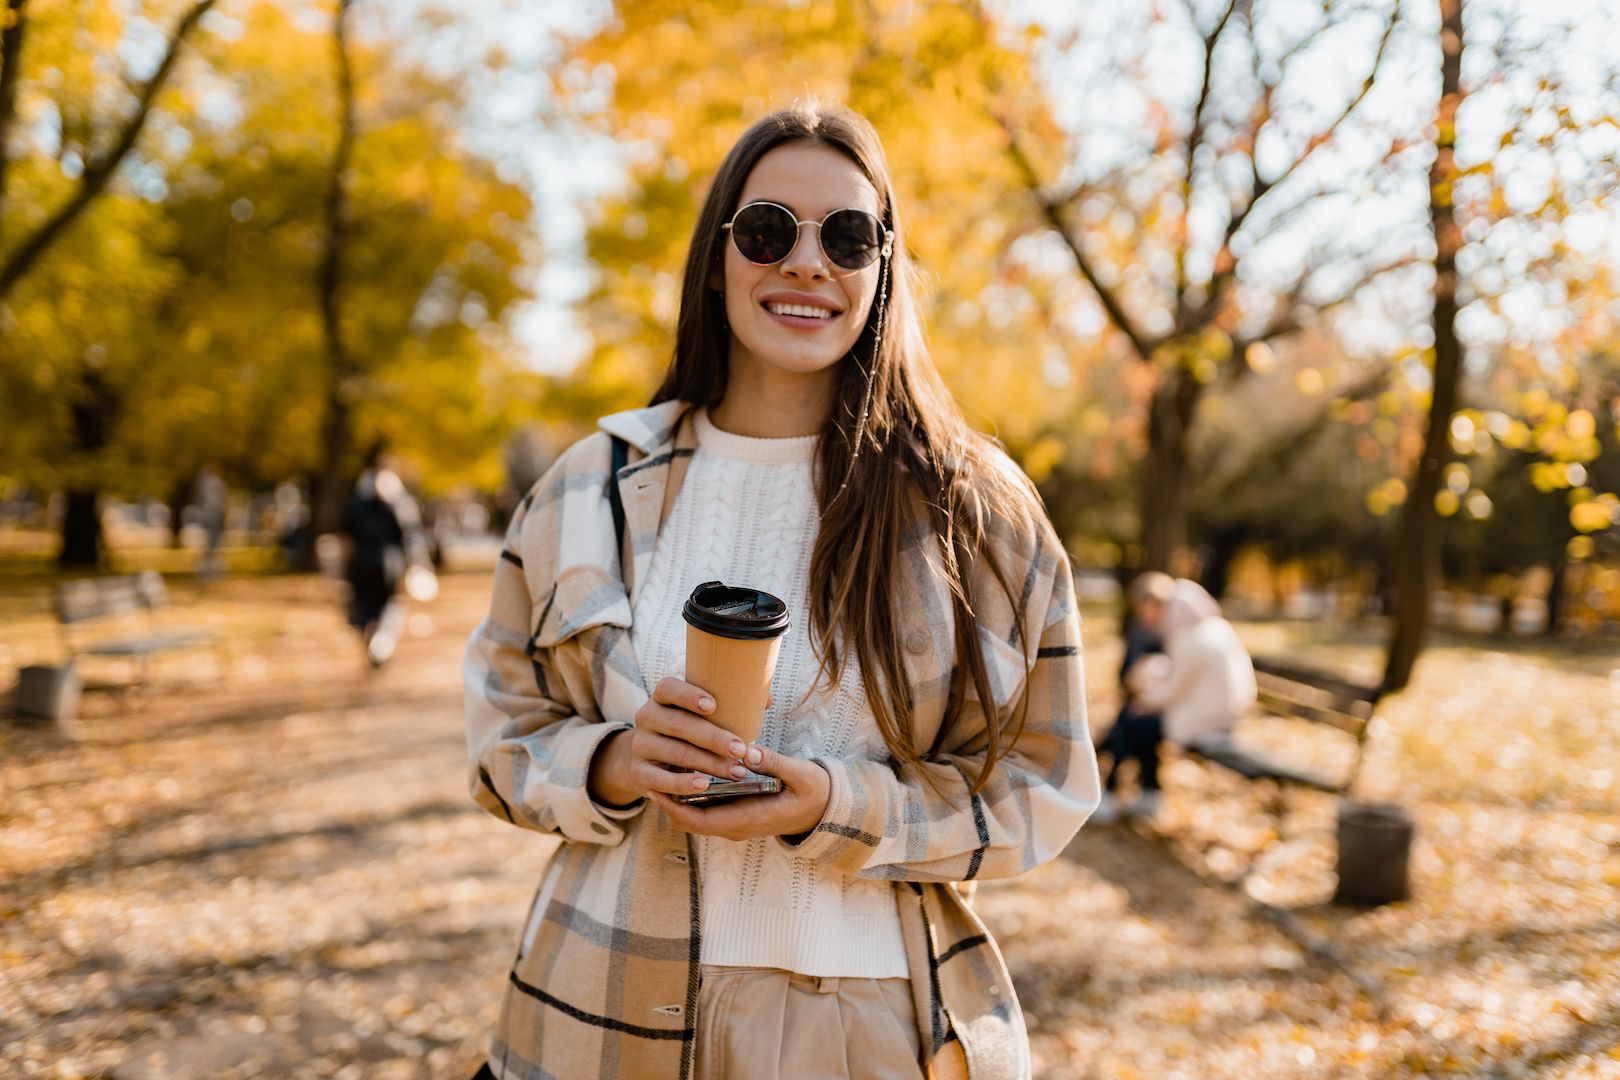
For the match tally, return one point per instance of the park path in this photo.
(267, 865)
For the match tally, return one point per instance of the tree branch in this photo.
(1195, 139)
(99, 170)
(1225, 263)
(1052, 210)
(1286, 321)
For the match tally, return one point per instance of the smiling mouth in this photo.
(800, 311)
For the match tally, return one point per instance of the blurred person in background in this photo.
(292, 521)
(928, 715)
(1135, 736)
(210, 497)
(384, 547)
(1195, 691)
(1148, 594)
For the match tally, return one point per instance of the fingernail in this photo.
(737, 749)
(738, 772)
(700, 782)
(705, 703)
(755, 755)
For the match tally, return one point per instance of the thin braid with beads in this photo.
(871, 372)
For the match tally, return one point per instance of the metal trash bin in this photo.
(48, 692)
(1375, 849)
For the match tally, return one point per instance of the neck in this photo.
(766, 402)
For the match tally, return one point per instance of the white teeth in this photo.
(803, 310)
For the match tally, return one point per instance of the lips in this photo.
(801, 323)
(790, 296)
(800, 310)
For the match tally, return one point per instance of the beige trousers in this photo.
(769, 1024)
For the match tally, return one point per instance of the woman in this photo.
(1195, 692)
(801, 443)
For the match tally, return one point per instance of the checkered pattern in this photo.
(606, 979)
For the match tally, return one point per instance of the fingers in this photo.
(796, 810)
(738, 819)
(683, 695)
(661, 750)
(653, 778)
(680, 722)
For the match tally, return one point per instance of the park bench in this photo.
(1292, 691)
(121, 611)
(1373, 840)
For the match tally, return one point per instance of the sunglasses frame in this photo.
(798, 232)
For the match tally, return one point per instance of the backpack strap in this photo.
(620, 457)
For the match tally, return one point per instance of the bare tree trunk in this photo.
(1555, 596)
(1417, 546)
(12, 27)
(82, 542)
(1216, 574)
(1167, 479)
(332, 485)
(179, 497)
(99, 170)
(93, 413)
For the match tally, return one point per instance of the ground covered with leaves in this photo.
(264, 863)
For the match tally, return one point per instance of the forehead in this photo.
(809, 179)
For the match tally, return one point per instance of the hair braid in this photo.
(871, 370)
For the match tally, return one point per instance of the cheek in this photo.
(741, 279)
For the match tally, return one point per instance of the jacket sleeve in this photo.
(922, 823)
(1188, 666)
(528, 748)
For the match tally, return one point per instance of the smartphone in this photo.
(720, 790)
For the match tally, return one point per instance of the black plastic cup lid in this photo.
(727, 611)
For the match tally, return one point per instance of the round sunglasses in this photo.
(766, 233)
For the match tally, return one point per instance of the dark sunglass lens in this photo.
(851, 238)
(764, 234)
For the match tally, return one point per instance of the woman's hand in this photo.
(671, 733)
(793, 811)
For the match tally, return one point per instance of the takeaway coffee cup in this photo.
(733, 636)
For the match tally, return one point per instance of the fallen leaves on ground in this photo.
(266, 864)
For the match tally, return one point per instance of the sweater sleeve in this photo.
(529, 748)
(924, 823)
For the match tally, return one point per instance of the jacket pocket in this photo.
(581, 597)
(1005, 664)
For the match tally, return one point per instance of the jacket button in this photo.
(599, 828)
(917, 642)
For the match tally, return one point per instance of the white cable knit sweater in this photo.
(746, 515)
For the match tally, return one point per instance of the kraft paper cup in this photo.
(733, 637)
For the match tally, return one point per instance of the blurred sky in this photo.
(568, 165)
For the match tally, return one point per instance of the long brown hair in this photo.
(918, 456)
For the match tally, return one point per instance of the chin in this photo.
(797, 361)
(803, 365)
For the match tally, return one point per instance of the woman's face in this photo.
(812, 181)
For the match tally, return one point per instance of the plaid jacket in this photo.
(605, 983)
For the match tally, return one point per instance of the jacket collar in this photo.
(648, 429)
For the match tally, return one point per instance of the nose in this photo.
(806, 260)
